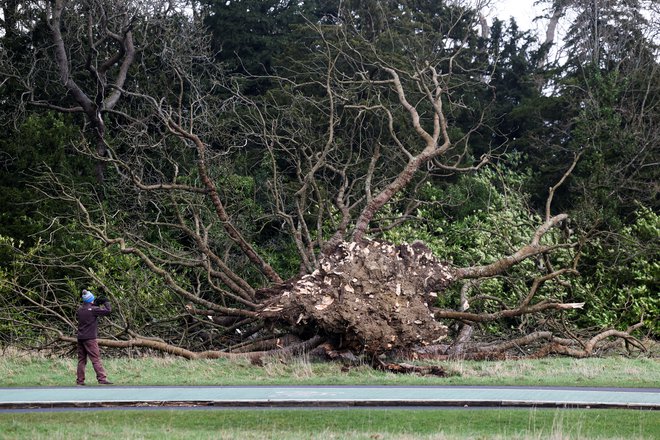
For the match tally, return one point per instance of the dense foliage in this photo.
(256, 76)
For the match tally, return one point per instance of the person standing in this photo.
(88, 346)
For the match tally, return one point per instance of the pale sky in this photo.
(523, 11)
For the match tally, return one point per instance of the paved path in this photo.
(328, 396)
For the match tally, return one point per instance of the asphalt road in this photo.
(327, 396)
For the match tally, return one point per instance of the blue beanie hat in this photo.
(87, 296)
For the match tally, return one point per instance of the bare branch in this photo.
(534, 248)
(552, 189)
(164, 347)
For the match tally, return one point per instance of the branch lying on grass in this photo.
(590, 346)
(164, 347)
(529, 344)
(405, 368)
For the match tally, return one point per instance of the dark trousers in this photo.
(89, 348)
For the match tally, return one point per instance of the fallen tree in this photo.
(339, 145)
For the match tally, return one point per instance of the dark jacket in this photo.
(88, 314)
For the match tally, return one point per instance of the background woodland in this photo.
(356, 177)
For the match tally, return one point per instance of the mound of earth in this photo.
(371, 297)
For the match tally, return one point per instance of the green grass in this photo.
(29, 370)
(333, 424)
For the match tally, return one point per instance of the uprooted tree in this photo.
(259, 219)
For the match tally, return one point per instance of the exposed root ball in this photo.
(372, 296)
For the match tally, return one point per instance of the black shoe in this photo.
(105, 382)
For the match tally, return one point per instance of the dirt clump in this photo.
(372, 297)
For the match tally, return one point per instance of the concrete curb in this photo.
(329, 396)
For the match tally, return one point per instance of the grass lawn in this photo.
(16, 370)
(333, 424)
(327, 424)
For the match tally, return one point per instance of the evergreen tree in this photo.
(248, 34)
(611, 111)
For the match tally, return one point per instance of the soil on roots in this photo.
(371, 297)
